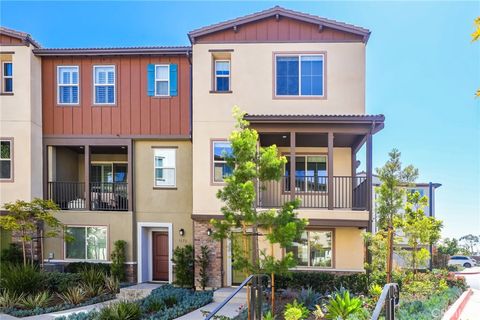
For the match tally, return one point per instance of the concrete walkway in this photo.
(472, 308)
(135, 292)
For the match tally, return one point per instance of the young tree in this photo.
(25, 217)
(419, 229)
(251, 166)
(449, 247)
(471, 243)
(391, 195)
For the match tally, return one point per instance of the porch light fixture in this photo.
(209, 232)
(182, 232)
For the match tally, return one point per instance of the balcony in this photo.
(312, 191)
(89, 177)
(104, 196)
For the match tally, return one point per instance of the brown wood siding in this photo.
(135, 113)
(282, 30)
(7, 40)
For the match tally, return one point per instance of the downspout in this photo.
(189, 56)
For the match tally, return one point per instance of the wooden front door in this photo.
(160, 256)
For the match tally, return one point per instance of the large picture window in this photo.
(6, 158)
(310, 173)
(104, 84)
(299, 75)
(221, 170)
(313, 249)
(86, 243)
(164, 163)
(68, 85)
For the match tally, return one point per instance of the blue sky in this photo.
(422, 71)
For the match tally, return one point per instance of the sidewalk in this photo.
(472, 308)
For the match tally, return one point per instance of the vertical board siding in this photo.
(271, 30)
(7, 40)
(134, 113)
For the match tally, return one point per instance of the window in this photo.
(310, 173)
(221, 170)
(104, 84)
(419, 190)
(222, 75)
(162, 77)
(164, 162)
(67, 82)
(88, 243)
(6, 172)
(313, 249)
(7, 77)
(299, 75)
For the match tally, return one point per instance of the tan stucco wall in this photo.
(119, 226)
(167, 205)
(349, 249)
(20, 119)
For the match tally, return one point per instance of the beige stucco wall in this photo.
(165, 205)
(20, 119)
(119, 226)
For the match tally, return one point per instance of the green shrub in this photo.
(309, 298)
(455, 268)
(323, 282)
(73, 295)
(60, 282)
(112, 285)
(295, 311)
(10, 299)
(153, 306)
(21, 279)
(93, 281)
(122, 310)
(342, 306)
(118, 258)
(78, 267)
(184, 262)
(12, 254)
(39, 300)
(203, 261)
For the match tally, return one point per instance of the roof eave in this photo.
(111, 52)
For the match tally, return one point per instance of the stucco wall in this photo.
(20, 119)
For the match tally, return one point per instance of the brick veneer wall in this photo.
(29, 245)
(131, 273)
(215, 268)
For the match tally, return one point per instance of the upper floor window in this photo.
(221, 169)
(6, 158)
(299, 75)
(222, 75)
(7, 77)
(162, 80)
(67, 82)
(104, 84)
(164, 162)
(310, 173)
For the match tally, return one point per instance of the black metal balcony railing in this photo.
(348, 192)
(106, 196)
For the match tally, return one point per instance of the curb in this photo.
(454, 312)
(466, 273)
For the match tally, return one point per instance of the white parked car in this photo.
(464, 261)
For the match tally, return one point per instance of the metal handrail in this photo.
(390, 297)
(230, 297)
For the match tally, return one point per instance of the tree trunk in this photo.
(24, 251)
(272, 254)
(390, 253)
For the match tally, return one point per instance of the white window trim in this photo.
(114, 85)
(223, 75)
(217, 161)
(86, 244)
(309, 252)
(8, 159)
(6, 77)
(174, 185)
(67, 85)
(300, 75)
(158, 80)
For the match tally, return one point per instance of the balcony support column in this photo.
(330, 170)
(369, 179)
(292, 166)
(87, 176)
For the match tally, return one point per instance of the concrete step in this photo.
(230, 310)
(137, 291)
(221, 294)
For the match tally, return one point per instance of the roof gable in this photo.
(279, 24)
(14, 37)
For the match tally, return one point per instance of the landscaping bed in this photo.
(164, 303)
(27, 291)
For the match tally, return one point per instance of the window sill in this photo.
(104, 105)
(6, 94)
(161, 97)
(76, 105)
(275, 97)
(165, 188)
(220, 92)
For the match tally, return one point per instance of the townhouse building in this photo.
(130, 142)
(20, 120)
(301, 80)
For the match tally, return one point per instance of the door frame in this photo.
(148, 228)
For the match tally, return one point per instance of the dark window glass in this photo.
(287, 76)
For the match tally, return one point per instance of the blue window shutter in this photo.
(173, 80)
(150, 80)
